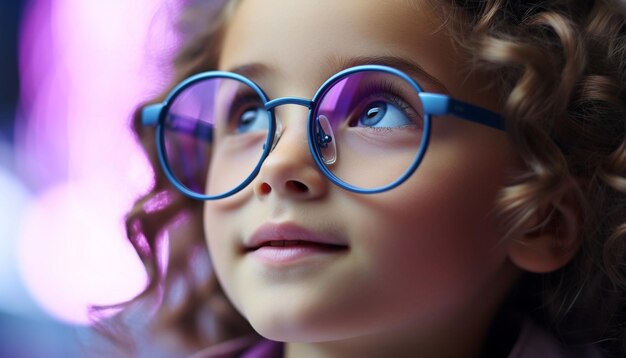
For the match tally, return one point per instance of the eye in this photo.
(252, 119)
(381, 114)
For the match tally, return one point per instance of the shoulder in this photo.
(244, 347)
(534, 341)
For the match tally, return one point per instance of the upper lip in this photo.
(289, 232)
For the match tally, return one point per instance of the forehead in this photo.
(309, 40)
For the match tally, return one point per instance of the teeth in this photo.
(277, 243)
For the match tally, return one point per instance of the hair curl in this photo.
(561, 67)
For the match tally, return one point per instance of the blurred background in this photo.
(71, 73)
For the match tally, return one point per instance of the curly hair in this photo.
(561, 70)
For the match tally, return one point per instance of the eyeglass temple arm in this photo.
(181, 124)
(441, 105)
(150, 114)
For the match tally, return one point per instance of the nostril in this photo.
(297, 186)
(265, 189)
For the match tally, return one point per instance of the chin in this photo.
(288, 329)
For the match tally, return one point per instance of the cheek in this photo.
(219, 232)
(435, 235)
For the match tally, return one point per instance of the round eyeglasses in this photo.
(368, 129)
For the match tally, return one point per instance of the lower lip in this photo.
(285, 255)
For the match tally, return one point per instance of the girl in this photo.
(429, 178)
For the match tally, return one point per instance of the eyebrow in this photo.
(256, 70)
(410, 68)
(252, 70)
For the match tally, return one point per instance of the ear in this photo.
(552, 238)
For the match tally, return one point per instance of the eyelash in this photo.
(242, 100)
(389, 92)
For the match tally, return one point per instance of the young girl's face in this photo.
(420, 260)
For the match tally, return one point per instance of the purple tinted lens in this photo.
(376, 120)
(214, 135)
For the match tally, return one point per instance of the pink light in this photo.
(70, 254)
(84, 67)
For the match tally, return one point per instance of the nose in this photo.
(289, 171)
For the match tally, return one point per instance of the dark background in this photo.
(10, 14)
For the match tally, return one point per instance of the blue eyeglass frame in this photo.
(434, 104)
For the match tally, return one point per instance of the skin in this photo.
(426, 265)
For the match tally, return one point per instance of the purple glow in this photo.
(83, 69)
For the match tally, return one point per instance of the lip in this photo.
(286, 243)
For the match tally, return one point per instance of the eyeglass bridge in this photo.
(323, 139)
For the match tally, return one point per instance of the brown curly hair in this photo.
(561, 70)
